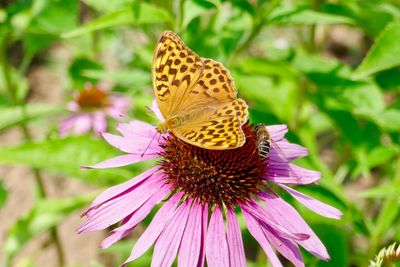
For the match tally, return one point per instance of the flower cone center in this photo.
(92, 97)
(214, 176)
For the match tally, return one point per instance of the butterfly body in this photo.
(196, 96)
(263, 141)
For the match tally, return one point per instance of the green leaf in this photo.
(143, 13)
(382, 191)
(336, 242)
(76, 72)
(13, 115)
(304, 15)
(65, 156)
(135, 77)
(390, 120)
(3, 194)
(194, 9)
(384, 54)
(45, 214)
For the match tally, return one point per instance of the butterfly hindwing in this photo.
(221, 130)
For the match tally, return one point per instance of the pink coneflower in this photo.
(201, 192)
(90, 108)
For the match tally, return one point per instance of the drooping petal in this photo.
(67, 124)
(258, 212)
(256, 231)
(116, 190)
(82, 124)
(289, 173)
(122, 160)
(277, 132)
(119, 106)
(284, 151)
(99, 123)
(128, 225)
(189, 251)
(169, 241)
(287, 248)
(289, 218)
(136, 128)
(203, 235)
(153, 231)
(132, 146)
(237, 257)
(116, 209)
(313, 204)
(217, 253)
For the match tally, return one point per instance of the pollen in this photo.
(214, 176)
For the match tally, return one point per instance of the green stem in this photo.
(27, 136)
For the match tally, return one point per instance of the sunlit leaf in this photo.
(65, 156)
(135, 77)
(144, 13)
(303, 15)
(383, 54)
(390, 119)
(14, 115)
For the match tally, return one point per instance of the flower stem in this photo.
(27, 136)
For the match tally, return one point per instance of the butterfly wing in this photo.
(220, 130)
(175, 69)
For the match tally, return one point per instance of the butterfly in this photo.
(263, 141)
(196, 96)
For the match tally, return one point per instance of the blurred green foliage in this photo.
(329, 69)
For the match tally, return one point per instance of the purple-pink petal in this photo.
(82, 124)
(189, 251)
(156, 110)
(116, 209)
(116, 190)
(203, 235)
(289, 173)
(217, 253)
(131, 145)
(286, 247)
(153, 231)
(255, 230)
(99, 122)
(313, 204)
(285, 151)
(237, 257)
(136, 128)
(122, 160)
(289, 218)
(131, 221)
(168, 242)
(277, 132)
(258, 212)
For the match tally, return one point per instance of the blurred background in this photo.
(327, 69)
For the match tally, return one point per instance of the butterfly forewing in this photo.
(175, 69)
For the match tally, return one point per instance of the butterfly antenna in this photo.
(144, 152)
